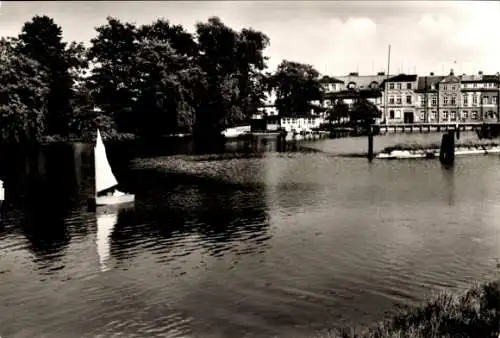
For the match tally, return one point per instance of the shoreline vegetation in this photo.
(474, 313)
(416, 150)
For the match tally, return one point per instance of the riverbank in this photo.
(475, 313)
(109, 137)
(467, 147)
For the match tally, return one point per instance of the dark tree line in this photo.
(147, 80)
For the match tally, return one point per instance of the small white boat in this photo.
(105, 179)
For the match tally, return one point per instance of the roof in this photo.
(402, 78)
(357, 93)
(479, 78)
(425, 83)
(450, 79)
(329, 79)
(362, 81)
(471, 78)
(491, 78)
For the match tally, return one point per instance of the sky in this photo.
(336, 37)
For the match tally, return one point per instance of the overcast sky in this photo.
(335, 37)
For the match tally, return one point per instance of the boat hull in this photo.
(114, 200)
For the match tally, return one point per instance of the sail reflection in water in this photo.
(105, 225)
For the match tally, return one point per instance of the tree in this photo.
(251, 63)
(364, 111)
(218, 108)
(166, 100)
(41, 40)
(233, 63)
(339, 111)
(161, 30)
(296, 84)
(112, 82)
(22, 96)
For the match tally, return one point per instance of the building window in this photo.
(491, 114)
(391, 114)
(484, 100)
(422, 115)
(398, 114)
(473, 115)
(474, 85)
(434, 114)
(408, 86)
(465, 114)
(474, 99)
(453, 101)
(445, 101)
(445, 87)
(494, 100)
(398, 85)
(444, 115)
(391, 99)
(466, 101)
(422, 101)
(434, 101)
(454, 87)
(391, 85)
(453, 115)
(408, 99)
(398, 99)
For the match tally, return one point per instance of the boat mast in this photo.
(385, 85)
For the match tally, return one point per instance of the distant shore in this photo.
(475, 313)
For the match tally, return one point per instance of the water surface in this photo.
(253, 244)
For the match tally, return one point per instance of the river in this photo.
(254, 243)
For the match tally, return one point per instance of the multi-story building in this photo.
(427, 98)
(480, 97)
(348, 89)
(464, 98)
(399, 99)
(449, 98)
(368, 86)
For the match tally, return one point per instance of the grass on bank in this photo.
(437, 146)
(475, 313)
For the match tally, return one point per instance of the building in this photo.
(399, 99)
(449, 98)
(480, 97)
(427, 98)
(366, 86)
(464, 98)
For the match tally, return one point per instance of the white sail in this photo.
(105, 226)
(104, 177)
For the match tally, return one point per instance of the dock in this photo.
(431, 127)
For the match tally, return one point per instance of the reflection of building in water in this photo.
(105, 225)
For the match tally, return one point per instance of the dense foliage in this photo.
(296, 86)
(149, 80)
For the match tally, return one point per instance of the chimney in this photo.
(451, 72)
(432, 73)
(381, 73)
(480, 72)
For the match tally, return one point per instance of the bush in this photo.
(476, 313)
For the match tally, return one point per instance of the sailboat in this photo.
(2, 193)
(105, 226)
(105, 180)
